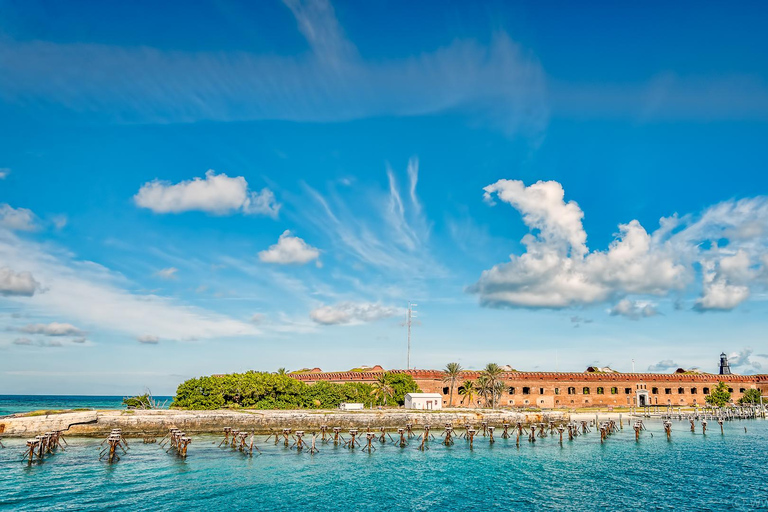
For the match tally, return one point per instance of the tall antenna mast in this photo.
(408, 320)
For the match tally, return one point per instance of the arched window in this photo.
(571, 391)
(557, 392)
(585, 391)
(706, 391)
(667, 391)
(600, 391)
(511, 391)
(627, 391)
(680, 391)
(445, 390)
(730, 390)
(742, 390)
(614, 391)
(526, 391)
(694, 391)
(541, 391)
(655, 391)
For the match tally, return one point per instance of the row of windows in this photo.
(601, 391)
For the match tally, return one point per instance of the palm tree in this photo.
(451, 374)
(382, 389)
(467, 391)
(498, 389)
(493, 373)
(484, 387)
(282, 371)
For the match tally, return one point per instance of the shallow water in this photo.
(692, 472)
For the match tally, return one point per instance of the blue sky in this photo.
(261, 185)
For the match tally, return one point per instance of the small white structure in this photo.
(424, 401)
(354, 406)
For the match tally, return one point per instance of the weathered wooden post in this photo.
(471, 435)
(505, 434)
(668, 429)
(402, 442)
(720, 422)
(448, 441)
(561, 429)
(490, 433)
(704, 426)
(225, 441)
(336, 435)
(369, 437)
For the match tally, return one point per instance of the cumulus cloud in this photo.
(352, 313)
(167, 273)
(289, 250)
(52, 329)
(20, 284)
(662, 366)
(634, 310)
(4, 172)
(558, 270)
(148, 339)
(17, 219)
(217, 194)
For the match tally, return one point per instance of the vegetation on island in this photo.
(750, 396)
(489, 385)
(719, 396)
(261, 390)
(145, 401)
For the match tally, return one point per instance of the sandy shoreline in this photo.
(157, 422)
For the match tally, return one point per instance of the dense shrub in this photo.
(258, 390)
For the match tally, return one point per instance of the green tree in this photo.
(750, 396)
(719, 396)
(282, 371)
(467, 392)
(498, 390)
(382, 389)
(402, 384)
(484, 386)
(451, 374)
(493, 373)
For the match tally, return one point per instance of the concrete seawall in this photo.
(157, 423)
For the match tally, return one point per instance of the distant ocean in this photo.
(14, 404)
(690, 472)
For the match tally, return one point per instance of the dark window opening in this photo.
(627, 391)
(571, 391)
(511, 391)
(445, 390)
(655, 391)
(680, 391)
(614, 391)
(600, 391)
(526, 391)
(667, 391)
(585, 391)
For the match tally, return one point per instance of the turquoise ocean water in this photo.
(12, 404)
(690, 472)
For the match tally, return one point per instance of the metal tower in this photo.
(411, 314)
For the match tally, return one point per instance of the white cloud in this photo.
(289, 250)
(558, 270)
(52, 329)
(17, 219)
(96, 297)
(60, 221)
(634, 310)
(167, 273)
(398, 247)
(148, 339)
(499, 81)
(258, 318)
(742, 360)
(217, 194)
(20, 284)
(352, 313)
(22, 341)
(4, 172)
(665, 365)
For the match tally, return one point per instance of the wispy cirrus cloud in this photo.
(93, 296)
(402, 247)
(332, 82)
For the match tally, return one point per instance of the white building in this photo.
(351, 406)
(425, 401)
